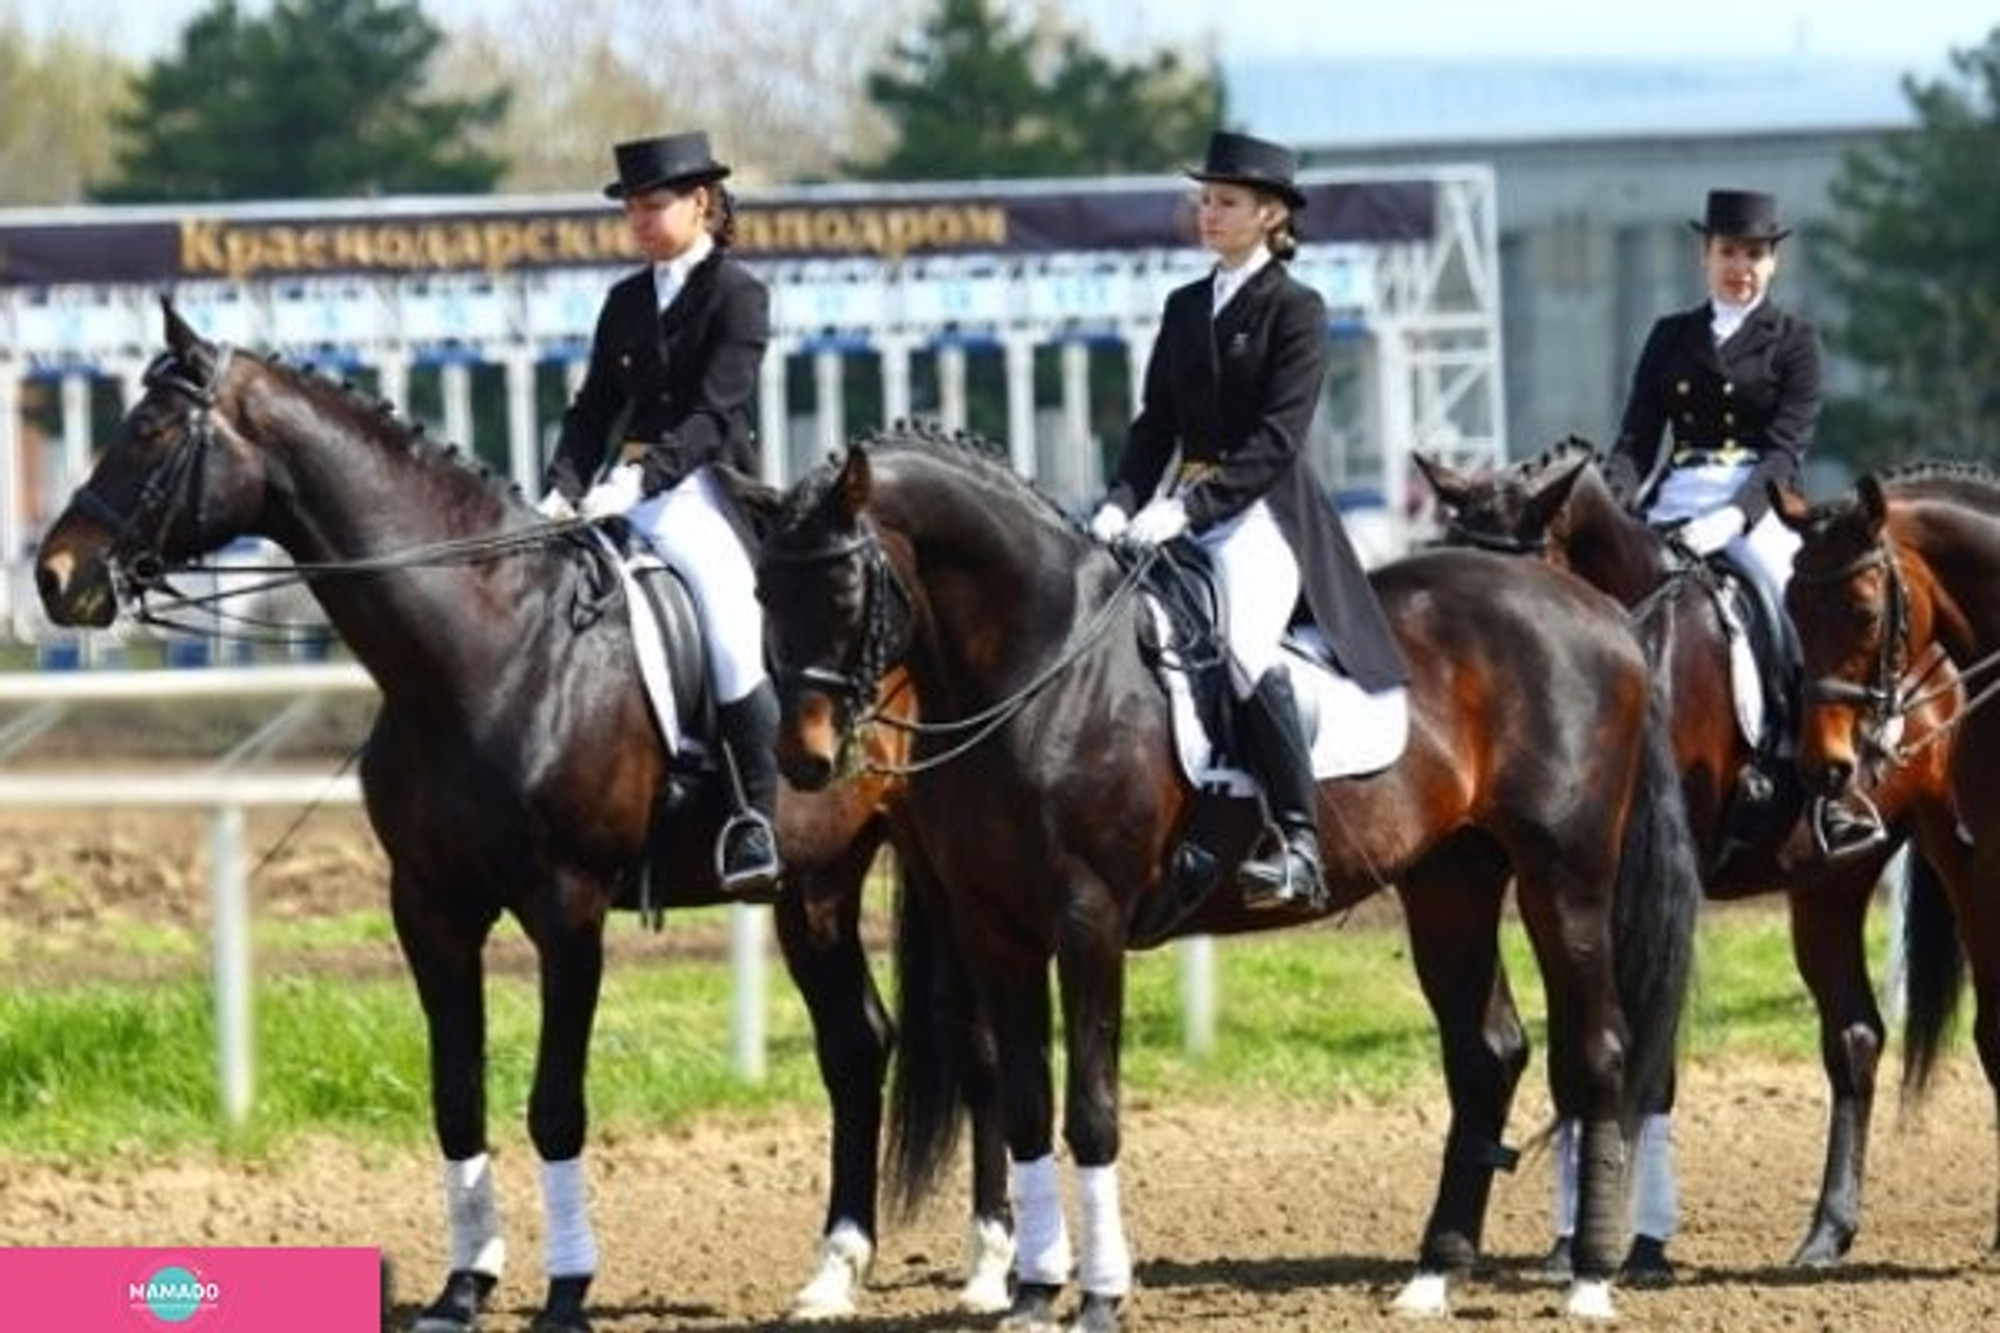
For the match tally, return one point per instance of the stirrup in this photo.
(1286, 880)
(759, 878)
(1849, 825)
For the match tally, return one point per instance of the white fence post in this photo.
(233, 1019)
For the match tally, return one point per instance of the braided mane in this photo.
(985, 460)
(379, 422)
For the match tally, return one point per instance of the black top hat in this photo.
(1241, 160)
(1746, 213)
(671, 159)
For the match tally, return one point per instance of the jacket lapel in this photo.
(1757, 333)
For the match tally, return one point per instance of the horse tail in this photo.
(1656, 897)
(928, 1081)
(1933, 972)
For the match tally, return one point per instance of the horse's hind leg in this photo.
(1454, 941)
(443, 954)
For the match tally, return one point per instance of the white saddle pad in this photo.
(649, 644)
(1353, 732)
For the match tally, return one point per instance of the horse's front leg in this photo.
(571, 953)
(1828, 915)
(819, 933)
(443, 953)
(1454, 943)
(1090, 962)
(1018, 1004)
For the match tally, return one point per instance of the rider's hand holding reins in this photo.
(1108, 524)
(1158, 523)
(615, 494)
(1705, 534)
(555, 507)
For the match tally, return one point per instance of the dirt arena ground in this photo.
(1256, 1217)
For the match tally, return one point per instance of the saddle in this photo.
(1767, 672)
(673, 666)
(1350, 733)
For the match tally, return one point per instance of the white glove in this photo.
(555, 506)
(615, 494)
(1159, 522)
(1108, 523)
(1705, 534)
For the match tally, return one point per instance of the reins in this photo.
(857, 684)
(174, 489)
(976, 727)
(1899, 690)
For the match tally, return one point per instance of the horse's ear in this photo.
(856, 481)
(1874, 501)
(181, 337)
(1789, 505)
(1452, 486)
(1550, 491)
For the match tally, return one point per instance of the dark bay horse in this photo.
(1561, 507)
(514, 768)
(1048, 800)
(1896, 592)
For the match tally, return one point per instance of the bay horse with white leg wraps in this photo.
(1562, 508)
(1046, 794)
(1896, 592)
(515, 766)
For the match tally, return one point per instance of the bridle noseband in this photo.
(172, 489)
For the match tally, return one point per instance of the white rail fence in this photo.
(36, 701)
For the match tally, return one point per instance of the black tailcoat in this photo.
(674, 389)
(1756, 396)
(1236, 395)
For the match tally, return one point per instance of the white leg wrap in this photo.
(1106, 1269)
(989, 1258)
(1564, 1204)
(1043, 1253)
(845, 1255)
(570, 1249)
(1656, 1203)
(472, 1207)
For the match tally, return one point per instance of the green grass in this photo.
(96, 1071)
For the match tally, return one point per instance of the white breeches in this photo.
(687, 526)
(1686, 492)
(1260, 584)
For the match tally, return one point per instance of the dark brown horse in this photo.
(1561, 507)
(514, 768)
(1896, 592)
(1048, 801)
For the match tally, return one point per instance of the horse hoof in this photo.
(1590, 1298)
(1033, 1310)
(989, 1258)
(456, 1310)
(1099, 1314)
(1558, 1269)
(563, 1312)
(1425, 1296)
(1647, 1265)
(845, 1257)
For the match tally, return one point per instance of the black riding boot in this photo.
(1287, 875)
(746, 853)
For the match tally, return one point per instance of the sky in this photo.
(1914, 34)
